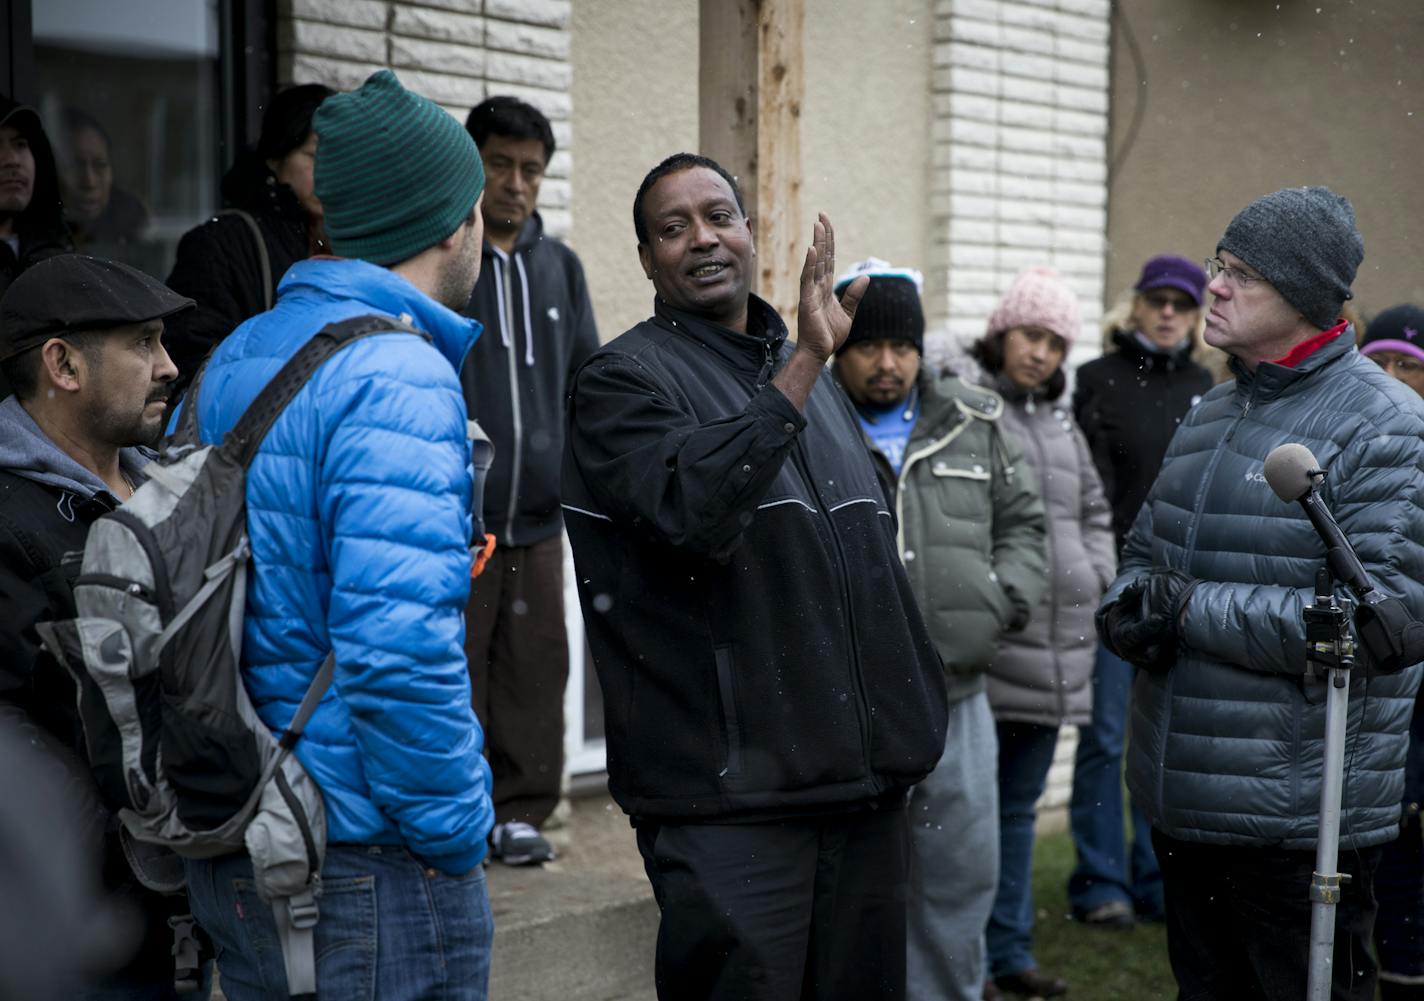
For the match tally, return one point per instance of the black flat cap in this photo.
(75, 292)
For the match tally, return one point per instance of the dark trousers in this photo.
(1238, 921)
(519, 664)
(1399, 929)
(794, 910)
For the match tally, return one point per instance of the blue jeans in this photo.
(390, 928)
(1105, 870)
(1025, 755)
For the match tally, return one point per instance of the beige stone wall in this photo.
(455, 52)
(865, 144)
(1020, 175)
(865, 139)
(635, 87)
(1233, 100)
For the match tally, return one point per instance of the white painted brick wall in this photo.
(1020, 163)
(1019, 177)
(455, 52)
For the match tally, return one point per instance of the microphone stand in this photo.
(1329, 651)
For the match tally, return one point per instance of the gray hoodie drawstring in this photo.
(499, 300)
(528, 327)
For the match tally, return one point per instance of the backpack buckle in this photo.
(302, 907)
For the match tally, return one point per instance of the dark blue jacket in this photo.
(1227, 746)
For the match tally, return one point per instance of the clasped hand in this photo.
(1142, 625)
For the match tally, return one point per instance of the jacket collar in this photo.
(1167, 361)
(525, 240)
(384, 291)
(748, 352)
(1272, 379)
(27, 451)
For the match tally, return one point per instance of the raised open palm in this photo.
(823, 321)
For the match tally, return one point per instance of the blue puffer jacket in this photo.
(1227, 746)
(358, 507)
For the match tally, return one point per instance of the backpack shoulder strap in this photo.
(259, 417)
(186, 433)
(264, 260)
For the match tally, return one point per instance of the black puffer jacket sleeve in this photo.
(649, 463)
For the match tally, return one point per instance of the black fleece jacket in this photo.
(538, 330)
(219, 268)
(1129, 404)
(756, 639)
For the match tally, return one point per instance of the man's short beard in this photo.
(457, 279)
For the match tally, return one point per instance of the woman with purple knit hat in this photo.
(1129, 403)
(1041, 677)
(1395, 341)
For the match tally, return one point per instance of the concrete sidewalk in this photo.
(581, 928)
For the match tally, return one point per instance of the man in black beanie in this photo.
(1227, 732)
(971, 535)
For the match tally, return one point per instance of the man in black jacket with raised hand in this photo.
(533, 301)
(770, 689)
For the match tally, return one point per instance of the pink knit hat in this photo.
(1038, 298)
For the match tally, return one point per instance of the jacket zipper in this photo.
(1191, 546)
(516, 417)
(1050, 551)
(803, 466)
(1189, 549)
(123, 584)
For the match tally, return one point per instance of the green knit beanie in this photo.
(395, 173)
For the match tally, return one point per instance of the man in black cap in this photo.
(81, 343)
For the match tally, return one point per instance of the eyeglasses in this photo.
(1161, 300)
(1216, 266)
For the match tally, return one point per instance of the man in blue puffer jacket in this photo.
(360, 520)
(1227, 734)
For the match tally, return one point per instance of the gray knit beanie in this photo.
(1304, 242)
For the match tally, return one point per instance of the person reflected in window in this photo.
(31, 218)
(232, 263)
(103, 220)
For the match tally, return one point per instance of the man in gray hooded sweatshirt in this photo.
(80, 344)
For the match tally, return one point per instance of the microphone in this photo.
(1393, 639)
(1293, 474)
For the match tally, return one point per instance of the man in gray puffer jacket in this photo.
(1227, 733)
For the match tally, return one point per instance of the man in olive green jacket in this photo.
(971, 530)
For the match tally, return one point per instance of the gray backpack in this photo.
(175, 744)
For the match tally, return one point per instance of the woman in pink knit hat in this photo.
(1041, 677)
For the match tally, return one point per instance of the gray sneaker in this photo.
(517, 843)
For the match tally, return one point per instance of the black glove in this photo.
(1141, 625)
